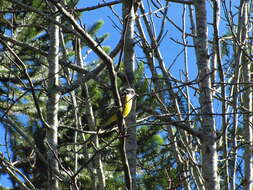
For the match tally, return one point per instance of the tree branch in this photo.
(99, 5)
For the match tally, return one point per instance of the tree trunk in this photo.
(208, 139)
(247, 96)
(52, 105)
(97, 170)
(129, 56)
(247, 120)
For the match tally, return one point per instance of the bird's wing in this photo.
(126, 104)
(123, 100)
(112, 119)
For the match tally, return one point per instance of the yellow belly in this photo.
(128, 106)
(126, 110)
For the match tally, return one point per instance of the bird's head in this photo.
(128, 91)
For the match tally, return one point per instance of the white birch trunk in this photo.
(52, 105)
(208, 139)
(247, 96)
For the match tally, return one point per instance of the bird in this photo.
(127, 97)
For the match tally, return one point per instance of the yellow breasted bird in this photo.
(127, 97)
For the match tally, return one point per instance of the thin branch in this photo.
(99, 5)
(14, 172)
(89, 40)
(10, 123)
(181, 2)
(22, 68)
(22, 44)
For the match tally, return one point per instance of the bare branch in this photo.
(99, 5)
